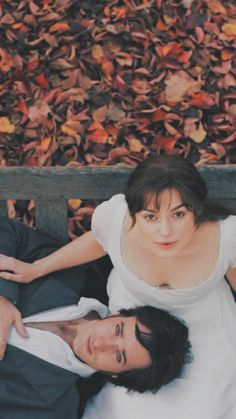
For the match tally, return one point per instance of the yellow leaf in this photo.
(74, 204)
(6, 126)
(216, 7)
(198, 135)
(68, 130)
(229, 29)
(45, 143)
(135, 145)
(232, 110)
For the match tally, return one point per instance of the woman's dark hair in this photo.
(167, 344)
(158, 173)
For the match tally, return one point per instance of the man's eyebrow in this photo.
(122, 334)
(121, 328)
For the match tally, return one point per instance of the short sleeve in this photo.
(232, 240)
(103, 218)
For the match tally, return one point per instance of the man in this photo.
(140, 349)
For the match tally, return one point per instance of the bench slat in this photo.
(3, 209)
(51, 217)
(94, 182)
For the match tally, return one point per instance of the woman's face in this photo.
(168, 230)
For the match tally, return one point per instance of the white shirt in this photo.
(52, 348)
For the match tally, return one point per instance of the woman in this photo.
(170, 248)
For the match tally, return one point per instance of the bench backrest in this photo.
(51, 187)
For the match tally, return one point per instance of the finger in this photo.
(20, 327)
(6, 262)
(11, 277)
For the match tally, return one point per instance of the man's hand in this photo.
(9, 316)
(21, 271)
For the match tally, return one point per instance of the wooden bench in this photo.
(51, 187)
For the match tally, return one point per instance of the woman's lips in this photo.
(166, 245)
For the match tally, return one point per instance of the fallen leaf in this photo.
(6, 61)
(74, 204)
(216, 7)
(178, 86)
(198, 135)
(229, 29)
(45, 143)
(59, 27)
(6, 126)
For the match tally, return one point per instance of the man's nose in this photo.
(104, 344)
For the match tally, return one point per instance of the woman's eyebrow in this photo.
(153, 211)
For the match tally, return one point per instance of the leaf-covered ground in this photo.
(104, 82)
(108, 82)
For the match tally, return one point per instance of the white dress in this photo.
(207, 387)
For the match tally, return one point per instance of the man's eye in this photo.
(118, 357)
(179, 214)
(117, 330)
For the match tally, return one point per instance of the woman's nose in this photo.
(164, 227)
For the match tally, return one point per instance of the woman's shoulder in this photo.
(105, 215)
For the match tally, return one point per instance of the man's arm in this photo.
(82, 250)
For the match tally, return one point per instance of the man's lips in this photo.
(89, 345)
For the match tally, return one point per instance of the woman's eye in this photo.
(118, 357)
(117, 330)
(150, 217)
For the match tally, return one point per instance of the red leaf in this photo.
(40, 79)
(22, 106)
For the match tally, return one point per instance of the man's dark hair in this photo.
(168, 347)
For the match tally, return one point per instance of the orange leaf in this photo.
(98, 53)
(59, 27)
(68, 130)
(45, 143)
(99, 115)
(166, 143)
(226, 54)
(5, 61)
(217, 7)
(74, 204)
(6, 126)
(99, 135)
(202, 99)
(40, 79)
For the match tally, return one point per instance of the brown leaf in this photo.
(179, 85)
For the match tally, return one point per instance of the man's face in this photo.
(110, 345)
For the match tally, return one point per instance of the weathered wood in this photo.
(94, 182)
(3, 209)
(51, 217)
(50, 187)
